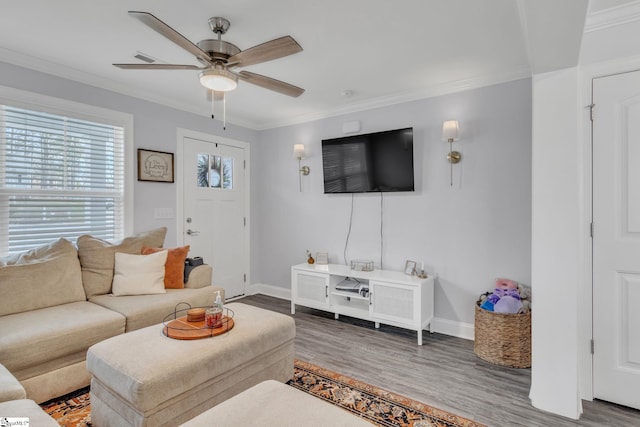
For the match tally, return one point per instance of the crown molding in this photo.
(386, 101)
(68, 73)
(607, 18)
(62, 71)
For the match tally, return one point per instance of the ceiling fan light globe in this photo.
(219, 80)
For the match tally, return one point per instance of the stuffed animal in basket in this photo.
(504, 299)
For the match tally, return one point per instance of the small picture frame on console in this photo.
(410, 268)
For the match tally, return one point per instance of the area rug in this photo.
(378, 406)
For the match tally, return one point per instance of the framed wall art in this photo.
(155, 166)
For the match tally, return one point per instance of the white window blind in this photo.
(59, 177)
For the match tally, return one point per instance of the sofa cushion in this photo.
(146, 310)
(33, 339)
(174, 267)
(27, 408)
(45, 276)
(139, 274)
(97, 257)
(10, 387)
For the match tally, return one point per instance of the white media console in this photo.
(394, 298)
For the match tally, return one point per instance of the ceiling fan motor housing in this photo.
(218, 49)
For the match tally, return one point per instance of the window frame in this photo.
(64, 107)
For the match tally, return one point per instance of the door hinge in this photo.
(590, 107)
(245, 278)
(592, 347)
(591, 230)
(244, 164)
(245, 221)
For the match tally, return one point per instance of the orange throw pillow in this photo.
(174, 267)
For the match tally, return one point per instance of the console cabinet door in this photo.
(393, 303)
(311, 289)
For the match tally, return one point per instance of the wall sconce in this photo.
(298, 153)
(451, 133)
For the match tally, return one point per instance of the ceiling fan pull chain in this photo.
(224, 111)
(213, 100)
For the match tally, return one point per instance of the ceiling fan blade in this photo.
(274, 49)
(158, 67)
(271, 84)
(157, 25)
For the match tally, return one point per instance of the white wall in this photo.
(561, 258)
(155, 127)
(467, 234)
(556, 270)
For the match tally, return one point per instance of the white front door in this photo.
(616, 241)
(214, 209)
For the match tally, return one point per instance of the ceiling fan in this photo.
(219, 57)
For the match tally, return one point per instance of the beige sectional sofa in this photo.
(56, 301)
(14, 402)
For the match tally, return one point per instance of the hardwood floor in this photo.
(444, 372)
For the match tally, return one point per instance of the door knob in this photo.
(191, 232)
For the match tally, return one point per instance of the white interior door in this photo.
(214, 218)
(616, 241)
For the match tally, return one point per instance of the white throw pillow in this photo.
(139, 274)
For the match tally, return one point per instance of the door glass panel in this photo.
(227, 171)
(203, 170)
(215, 174)
(215, 171)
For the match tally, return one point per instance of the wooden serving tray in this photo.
(181, 329)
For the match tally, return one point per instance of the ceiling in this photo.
(358, 54)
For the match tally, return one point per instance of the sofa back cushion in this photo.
(174, 267)
(139, 274)
(97, 257)
(42, 277)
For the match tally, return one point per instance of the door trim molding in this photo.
(179, 180)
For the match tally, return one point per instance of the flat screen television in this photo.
(369, 163)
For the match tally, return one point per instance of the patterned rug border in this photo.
(329, 375)
(72, 410)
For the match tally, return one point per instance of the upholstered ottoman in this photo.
(273, 404)
(143, 378)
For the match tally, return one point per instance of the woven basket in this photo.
(503, 339)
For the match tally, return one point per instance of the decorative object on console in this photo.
(322, 258)
(421, 274)
(155, 166)
(310, 259)
(361, 265)
(410, 268)
(298, 153)
(451, 133)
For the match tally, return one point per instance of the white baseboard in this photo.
(269, 290)
(441, 326)
(454, 329)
